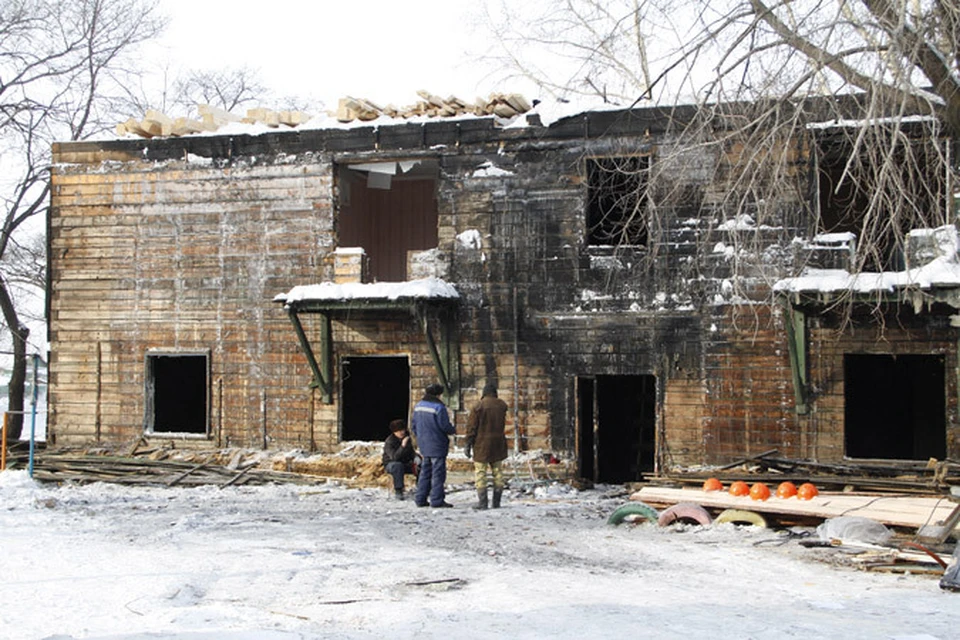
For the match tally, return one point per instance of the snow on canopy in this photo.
(424, 289)
(942, 270)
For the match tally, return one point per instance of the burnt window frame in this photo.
(150, 393)
(832, 150)
(614, 195)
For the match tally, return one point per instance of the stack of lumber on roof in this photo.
(433, 106)
(156, 123)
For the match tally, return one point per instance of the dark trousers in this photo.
(397, 469)
(433, 475)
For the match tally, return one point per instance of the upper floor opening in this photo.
(616, 209)
(878, 183)
(389, 209)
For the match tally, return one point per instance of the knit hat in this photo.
(434, 389)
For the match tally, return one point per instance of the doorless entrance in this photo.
(375, 390)
(616, 417)
(895, 406)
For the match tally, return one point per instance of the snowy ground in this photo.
(294, 562)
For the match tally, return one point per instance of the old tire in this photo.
(636, 508)
(685, 512)
(740, 516)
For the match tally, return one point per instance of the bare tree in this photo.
(574, 48)
(178, 92)
(227, 89)
(62, 63)
(868, 90)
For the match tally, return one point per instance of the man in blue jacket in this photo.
(432, 428)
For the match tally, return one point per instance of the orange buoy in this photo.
(786, 490)
(739, 488)
(759, 491)
(806, 491)
(712, 484)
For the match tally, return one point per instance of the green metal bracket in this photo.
(446, 357)
(796, 324)
(322, 371)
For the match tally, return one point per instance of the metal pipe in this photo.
(516, 378)
(3, 452)
(33, 411)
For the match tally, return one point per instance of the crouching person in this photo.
(487, 444)
(399, 458)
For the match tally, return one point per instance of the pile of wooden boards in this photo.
(909, 511)
(156, 123)
(901, 476)
(151, 470)
(432, 106)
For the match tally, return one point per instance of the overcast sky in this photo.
(380, 50)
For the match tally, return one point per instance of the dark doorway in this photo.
(895, 406)
(176, 393)
(376, 390)
(616, 417)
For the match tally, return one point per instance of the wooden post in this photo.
(795, 322)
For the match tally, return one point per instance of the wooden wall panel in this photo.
(179, 253)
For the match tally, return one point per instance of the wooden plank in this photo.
(890, 509)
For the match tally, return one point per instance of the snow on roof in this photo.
(868, 122)
(425, 289)
(217, 122)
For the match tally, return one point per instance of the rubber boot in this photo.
(481, 499)
(497, 494)
(398, 494)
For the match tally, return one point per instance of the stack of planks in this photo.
(155, 123)
(908, 511)
(432, 106)
(150, 470)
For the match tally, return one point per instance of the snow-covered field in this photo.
(296, 562)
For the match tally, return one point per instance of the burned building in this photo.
(639, 309)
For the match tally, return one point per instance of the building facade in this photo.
(298, 288)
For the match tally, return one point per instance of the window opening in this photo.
(895, 406)
(388, 209)
(375, 390)
(878, 197)
(177, 392)
(616, 201)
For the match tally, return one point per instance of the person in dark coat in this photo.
(487, 444)
(432, 429)
(399, 457)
